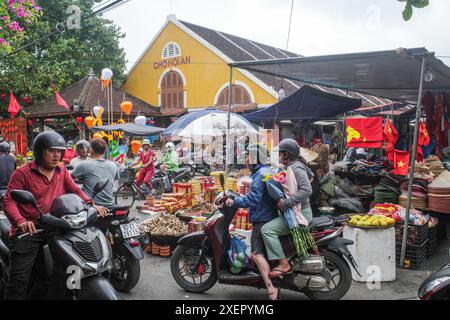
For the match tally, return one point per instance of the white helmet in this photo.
(170, 146)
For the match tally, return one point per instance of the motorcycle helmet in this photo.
(45, 140)
(170, 146)
(5, 147)
(82, 144)
(289, 146)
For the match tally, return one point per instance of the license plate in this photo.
(130, 230)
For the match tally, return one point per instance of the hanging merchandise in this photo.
(107, 75)
(126, 107)
(365, 132)
(79, 120)
(401, 162)
(391, 136)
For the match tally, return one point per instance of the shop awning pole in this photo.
(413, 161)
(230, 90)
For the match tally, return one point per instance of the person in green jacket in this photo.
(170, 159)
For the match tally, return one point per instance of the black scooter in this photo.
(76, 253)
(436, 286)
(126, 242)
(162, 182)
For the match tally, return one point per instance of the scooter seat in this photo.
(321, 223)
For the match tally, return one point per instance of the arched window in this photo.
(171, 50)
(239, 95)
(172, 94)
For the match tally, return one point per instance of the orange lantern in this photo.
(126, 107)
(135, 146)
(89, 122)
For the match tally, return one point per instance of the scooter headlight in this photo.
(76, 221)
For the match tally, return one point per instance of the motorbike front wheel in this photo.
(127, 269)
(341, 278)
(181, 265)
(125, 195)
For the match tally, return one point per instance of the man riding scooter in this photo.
(47, 180)
(262, 210)
(170, 160)
(82, 150)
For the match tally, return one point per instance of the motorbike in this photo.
(323, 275)
(437, 285)
(75, 254)
(162, 182)
(126, 242)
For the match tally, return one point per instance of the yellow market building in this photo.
(185, 67)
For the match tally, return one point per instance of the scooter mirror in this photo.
(24, 197)
(222, 181)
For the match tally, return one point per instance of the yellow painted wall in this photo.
(206, 74)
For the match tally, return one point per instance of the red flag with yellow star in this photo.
(391, 136)
(365, 132)
(424, 136)
(401, 162)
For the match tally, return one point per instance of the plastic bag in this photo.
(354, 205)
(237, 255)
(329, 176)
(347, 186)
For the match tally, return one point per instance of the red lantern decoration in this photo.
(30, 122)
(3, 97)
(27, 100)
(79, 119)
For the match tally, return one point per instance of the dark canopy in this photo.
(130, 129)
(391, 74)
(305, 105)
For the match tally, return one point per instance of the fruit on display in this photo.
(371, 221)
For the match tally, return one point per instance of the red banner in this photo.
(15, 130)
(365, 132)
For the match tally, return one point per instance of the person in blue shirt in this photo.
(262, 209)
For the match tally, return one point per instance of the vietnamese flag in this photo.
(391, 136)
(364, 132)
(401, 162)
(59, 100)
(14, 106)
(419, 154)
(424, 136)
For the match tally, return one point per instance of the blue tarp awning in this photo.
(305, 105)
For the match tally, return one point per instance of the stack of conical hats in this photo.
(439, 193)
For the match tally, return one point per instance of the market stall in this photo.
(186, 210)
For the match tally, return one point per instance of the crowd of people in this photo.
(47, 177)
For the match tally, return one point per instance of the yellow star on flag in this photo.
(401, 164)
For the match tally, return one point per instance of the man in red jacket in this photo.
(47, 180)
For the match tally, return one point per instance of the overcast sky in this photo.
(318, 26)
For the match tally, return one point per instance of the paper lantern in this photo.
(98, 111)
(89, 122)
(140, 120)
(107, 74)
(126, 107)
(135, 146)
(3, 97)
(79, 119)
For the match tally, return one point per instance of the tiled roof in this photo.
(88, 92)
(240, 49)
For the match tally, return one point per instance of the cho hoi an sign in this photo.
(172, 62)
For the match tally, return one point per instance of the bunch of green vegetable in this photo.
(303, 240)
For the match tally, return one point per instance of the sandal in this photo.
(279, 272)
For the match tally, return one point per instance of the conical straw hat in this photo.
(308, 155)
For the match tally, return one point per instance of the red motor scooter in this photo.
(200, 259)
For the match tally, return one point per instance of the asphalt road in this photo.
(156, 283)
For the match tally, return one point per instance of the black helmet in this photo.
(47, 140)
(82, 143)
(5, 147)
(290, 146)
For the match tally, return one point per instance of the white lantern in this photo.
(140, 120)
(98, 111)
(107, 74)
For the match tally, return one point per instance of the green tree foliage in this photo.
(408, 12)
(62, 57)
